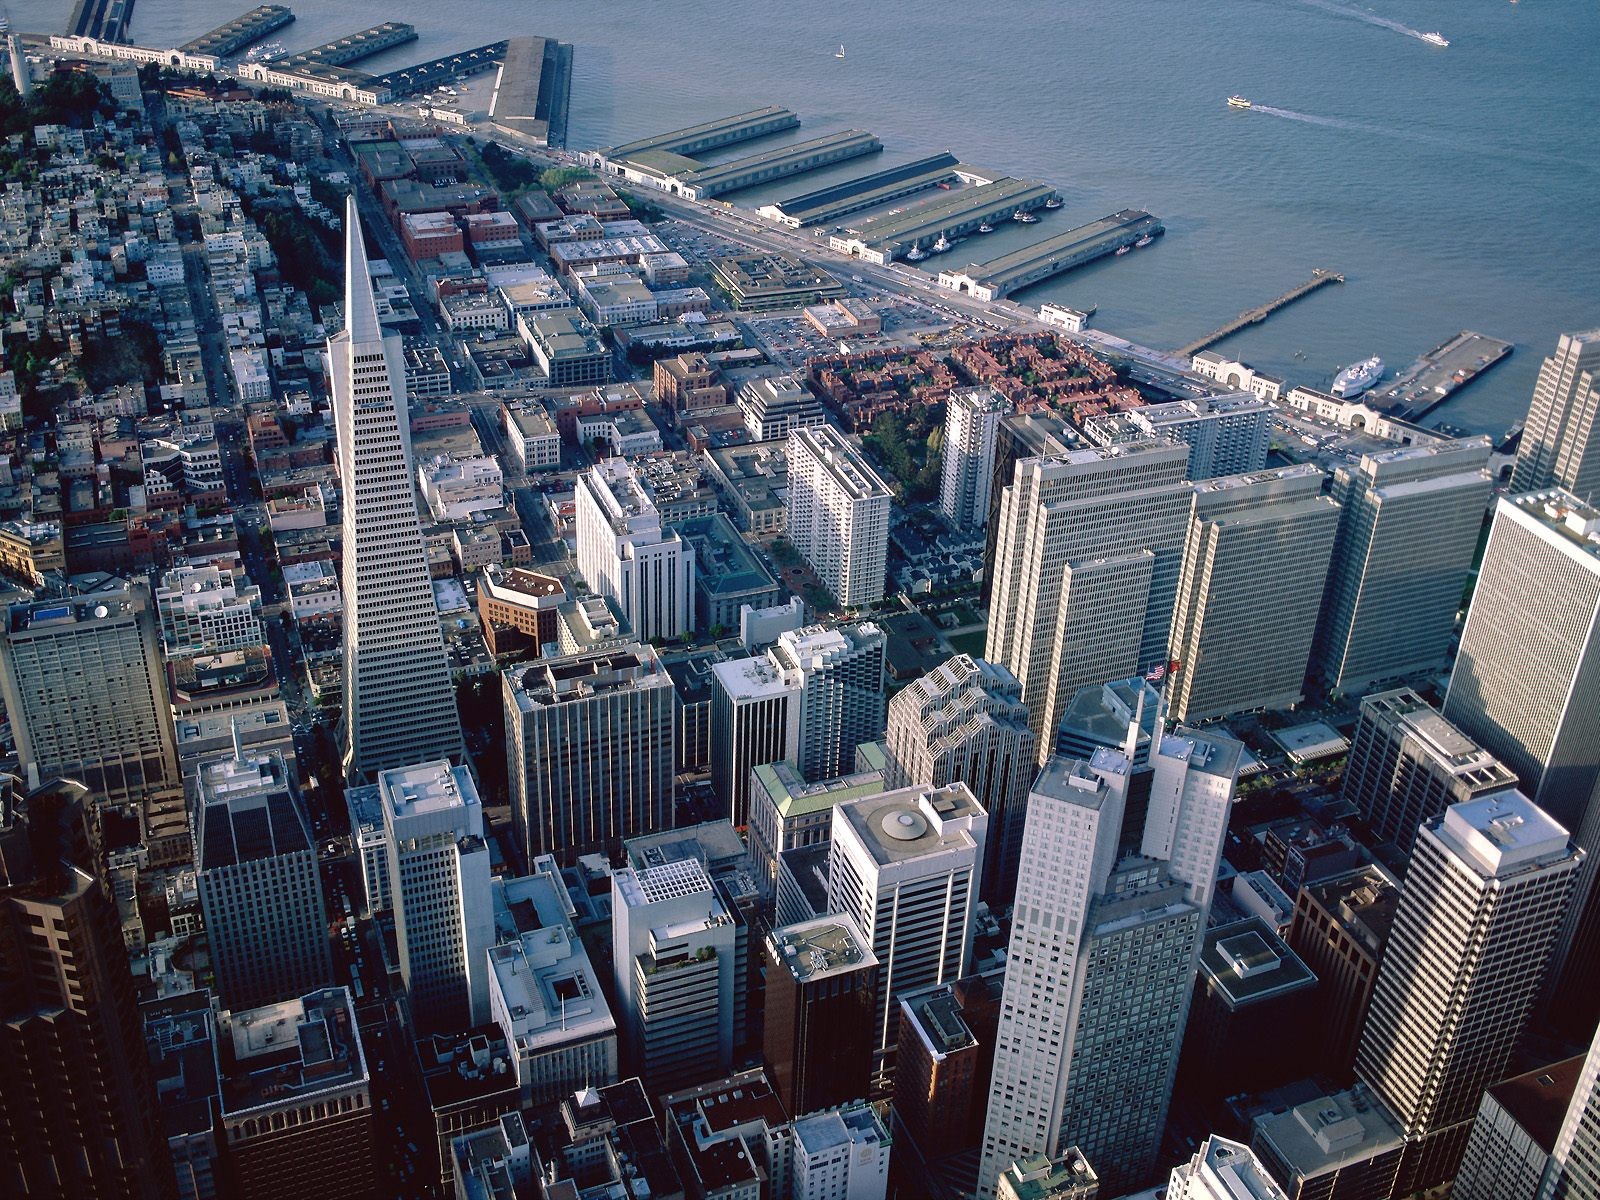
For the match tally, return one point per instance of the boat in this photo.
(1357, 378)
(1145, 240)
(1436, 39)
(986, 228)
(263, 52)
(1238, 102)
(1053, 203)
(916, 254)
(841, 51)
(1121, 250)
(1025, 218)
(943, 244)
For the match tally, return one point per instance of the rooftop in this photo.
(431, 787)
(281, 1054)
(1330, 1132)
(1247, 962)
(1038, 1177)
(586, 675)
(820, 949)
(914, 822)
(1538, 1099)
(1572, 521)
(541, 969)
(938, 1019)
(841, 460)
(794, 797)
(1450, 749)
(854, 1124)
(1501, 833)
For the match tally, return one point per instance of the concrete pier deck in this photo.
(777, 163)
(885, 238)
(1001, 276)
(1254, 316)
(864, 191)
(227, 40)
(1438, 374)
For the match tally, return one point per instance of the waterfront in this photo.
(1452, 187)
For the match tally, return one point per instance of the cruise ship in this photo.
(1436, 39)
(1238, 102)
(1357, 378)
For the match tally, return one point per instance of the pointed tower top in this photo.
(360, 309)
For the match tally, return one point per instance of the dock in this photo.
(883, 239)
(326, 70)
(1438, 374)
(531, 93)
(725, 131)
(864, 191)
(793, 159)
(341, 52)
(225, 41)
(1254, 316)
(425, 76)
(1022, 268)
(103, 20)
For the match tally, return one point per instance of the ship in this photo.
(1026, 218)
(943, 244)
(1238, 102)
(1436, 39)
(1357, 378)
(916, 254)
(264, 52)
(1121, 250)
(1145, 240)
(985, 228)
(1053, 203)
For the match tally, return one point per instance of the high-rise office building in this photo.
(180, 1035)
(1222, 1170)
(626, 555)
(1408, 529)
(1254, 567)
(1086, 569)
(208, 609)
(260, 882)
(78, 1114)
(590, 746)
(905, 866)
(842, 701)
(1020, 436)
(822, 980)
(1099, 972)
(837, 514)
(787, 813)
(439, 887)
(673, 962)
(755, 719)
(1574, 1170)
(398, 701)
(1560, 444)
(1193, 773)
(1489, 885)
(86, 693)
(1514, 1136)
(971, 422)
(1226, 435)
(1067, 1177)
(966, 721)
(1408, 764)
(942, 1062)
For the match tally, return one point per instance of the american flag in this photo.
(1161, 670)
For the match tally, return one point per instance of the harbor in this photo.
(1436, 375)
(999, 277)
(245, 30)
(882, 239)
(827, 204)
(705, 182)
(1254, 316)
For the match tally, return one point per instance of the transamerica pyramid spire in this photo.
(360, 307)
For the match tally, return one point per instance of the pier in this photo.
(225, 41)
(353, 48)
(103, 20)
(709, 181)
(883, 239)
(425, 76)
(999, 277)
(530, 96)
(1438, 374)
(1254, 316)
(325, 70)
(864, 191)
(725, 131)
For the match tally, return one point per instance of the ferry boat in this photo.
(1357, 378)
(264, 51)
(1238, 102)
(1436, 39)
(1025, 218)
(1053, 203)
(985, 228)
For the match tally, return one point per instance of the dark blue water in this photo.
(1456, 188)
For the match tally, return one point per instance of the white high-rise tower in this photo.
(1561, 443)
(399, 707)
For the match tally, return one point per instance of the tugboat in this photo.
(1053, 203)
(1144, 241)
(916, 254)
(943, 244)
(1121, 250)
(1238, 102)
(986, 228)
(1025, 218)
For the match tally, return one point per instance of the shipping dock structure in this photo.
(1001, 276)
(708, 181)
(864, 191)
(883, 239)
(531, 91)
(1321, 277)
(225, 41)
(100, 20)
(326, 70)
(710, 135)
(1439, 374)
(425, 76)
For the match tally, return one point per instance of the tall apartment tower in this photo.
(1408, 529)
(590, 745)
(1574, 1169)
(626, 555)
(1086, 570)
(1489, 886)
(260, 882)
(1560, 444)
(971, 422)
(837, 514)
(673, 961)
(86, 694)
(905, 866)
(1226, 435)
(965, 721)
(822, 981)
(399, 705)
(1020, 436)
(1254, 568)
(1408, 764)
(842, 702)
(439, 886)
(755, 719)
(1099, 975)
(78, 1112)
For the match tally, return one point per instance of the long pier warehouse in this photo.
(708, 181)
(725, 131)
(885, 238)
(864, 191)
(225, 41)
(1001, 276)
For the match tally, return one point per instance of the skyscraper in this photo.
(399, 704)
(590, 744)
(1226, 435)
(260, 882)
(971, 421)
(1560, 444)
(86, 695)
(78, 1114)
(1254, 567)
(1086, 568)
(1489, 885)
(905, 866)
(439, 886)
(626, 555)
(822, 979)
(1408, 529)
(838, 514)
(965, 721)
(842, 700)
(1408, 764)
(755, 719)
(1574, 1170)
(1020, 436)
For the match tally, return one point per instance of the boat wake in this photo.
(1289, 114)
(1370, 18)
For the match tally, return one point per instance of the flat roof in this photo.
(427, 788)
(721, 128)
(821, 948)
(857, 192)
(1502, 832)
(284, 1053)
(767, 162)
(794, 797)
(1249, 962)
(908, 823)
(933, 216)
(842, 461)
(1537, 1100)
(1062, 246)
(723, 562)
(1331, 1132)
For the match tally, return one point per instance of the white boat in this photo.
(942, 244)
(1357, 378)
(916, 254)
(1025, 218)
(1238, 102)
(1144, 241)
(1053, 203)
(986, 228)
(1436, 39)
(1121, 250)
(841, 51)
